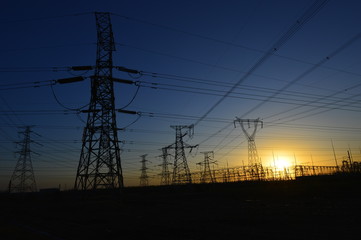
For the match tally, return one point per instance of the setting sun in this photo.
(282, 162)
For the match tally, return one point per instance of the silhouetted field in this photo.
(325, 207)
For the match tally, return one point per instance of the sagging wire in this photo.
(79, 117)
(135, 95)
(194, 154)
(135, 74)
(130, 124)
(138, 75)
(80, 75)
(62, 105)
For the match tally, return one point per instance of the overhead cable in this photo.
(310, 12)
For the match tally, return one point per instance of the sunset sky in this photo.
(307, 92)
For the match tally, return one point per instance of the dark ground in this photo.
(310, 208)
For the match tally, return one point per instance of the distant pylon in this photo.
(207, 175)
(23, 179)
(144, 177)
(165, 175)
(254, 162)
(99, 163)
(181, 172)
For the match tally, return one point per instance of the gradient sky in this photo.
(307, 93)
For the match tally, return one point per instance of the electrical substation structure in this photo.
(255, 168)
(23, 179)
(181, 172)
(99, 163)
(144, 176)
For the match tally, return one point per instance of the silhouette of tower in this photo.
(181, 172)
(207, 176)
(99, 163)
(144, 177)
(254, 162)
(23, 179)
(165, 175)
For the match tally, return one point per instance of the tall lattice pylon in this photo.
(254, 162)
(207, 175)
(23, 179)
(165, 175)
(144, 176)
(181, 172)
(99, 164)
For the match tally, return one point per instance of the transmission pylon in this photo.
(181, 172)
(165, 175)
(99, 164)
(254, 162)
(23, 179)
(144, 177)
(207, 175)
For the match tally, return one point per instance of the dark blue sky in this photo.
(307, 92)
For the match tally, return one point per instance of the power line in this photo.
(38, 48)
(249, 96)
(39, 112)
(312, 11)
(233, 69)
(309, 71)
(45, 18)
(309, 102)
(62, 105)
(174, 29)
(325, 106)
(208, 82)
(333, 54)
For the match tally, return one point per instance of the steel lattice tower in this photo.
(165, 175)
(254, 162)
(181, 172)
(207, 176)
(144, 177)
(99, 164)
(23, 179)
